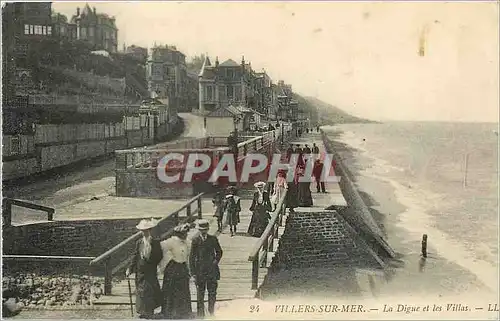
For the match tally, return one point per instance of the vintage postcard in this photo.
(250, 160)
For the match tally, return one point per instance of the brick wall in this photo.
(67, 238)
(322, 239)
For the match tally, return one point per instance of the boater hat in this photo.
(147, 224)
(203, 225)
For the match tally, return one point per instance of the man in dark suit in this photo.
(206, 254)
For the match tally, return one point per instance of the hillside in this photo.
(326, 114)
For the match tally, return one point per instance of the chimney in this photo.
(77, 11)
(216, 61)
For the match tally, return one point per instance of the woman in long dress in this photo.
(304, 189)
(232, 209)
(177, 297)
(148, 255)
(280, 187)
(261, 205)
(292, 194)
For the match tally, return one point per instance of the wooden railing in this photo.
(119, 257)
(265, 244)
(9, 202)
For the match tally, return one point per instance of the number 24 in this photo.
(254, 308)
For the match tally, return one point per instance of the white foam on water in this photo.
(417, 221)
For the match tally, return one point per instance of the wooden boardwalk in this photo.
(334, 194)
(236, 270)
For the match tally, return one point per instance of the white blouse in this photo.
(175, 249)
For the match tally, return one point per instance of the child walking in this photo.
(232, 208)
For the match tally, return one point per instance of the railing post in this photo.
(199, 208)
(120, 160)
(108, 277)
(7, 212)
(255, 273)
(50, 215)
(188, 210)
(265, 247)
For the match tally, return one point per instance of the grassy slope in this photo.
(326, 114)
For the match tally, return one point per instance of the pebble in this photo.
(34, 291)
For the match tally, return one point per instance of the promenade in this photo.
(236, 269)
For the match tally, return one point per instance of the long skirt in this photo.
(258, 223)
(149, 295)
(305, 197)
(177, 297)
(292, 196)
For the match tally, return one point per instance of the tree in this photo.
(196, 63)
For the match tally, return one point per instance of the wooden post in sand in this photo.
(466, 168)
(424, 245)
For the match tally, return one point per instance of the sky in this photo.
(362, 57)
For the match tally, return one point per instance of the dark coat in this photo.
(232, 208)
(218, 201)
(260, 216)
(205, 257)
(292, 195)
(149, 294)
(318, 170)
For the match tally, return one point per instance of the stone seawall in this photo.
(357, 214)
(322, 239)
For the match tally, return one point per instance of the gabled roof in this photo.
(229, 63)
(228, 111)
(205, 67)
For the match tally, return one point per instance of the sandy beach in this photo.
(449, 272)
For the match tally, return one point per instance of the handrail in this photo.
(106, 258)
(46, 257)
(115, 248)
(260, 242)
(266, 242)
(9, 202)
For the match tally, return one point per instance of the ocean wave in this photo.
(416, 219)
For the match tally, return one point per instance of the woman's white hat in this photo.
(182, 228)
(147, 224)
(259, 184)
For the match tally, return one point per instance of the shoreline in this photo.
(404, 222)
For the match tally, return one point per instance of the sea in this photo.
(445, 175)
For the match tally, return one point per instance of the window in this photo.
(229, 73)
(26, 29)
(49, 30)
(209, 93)
(32, 29)
(229, 92)
(91, 32)
(83, 32)
(38, 30)
(44, 30)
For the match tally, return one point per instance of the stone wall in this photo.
(319, 239)
(357, 214)
(67, 238)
